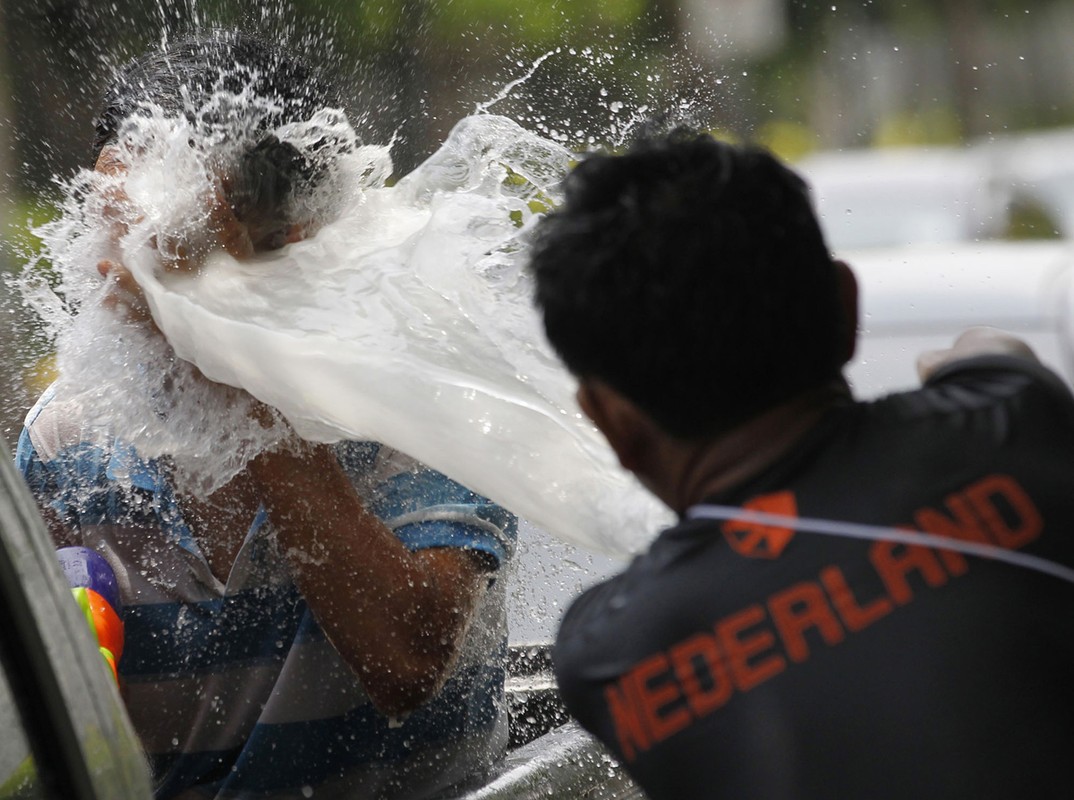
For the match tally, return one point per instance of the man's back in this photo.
(740, 661)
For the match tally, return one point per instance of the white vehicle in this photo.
(921, 228)
(905, 196)
(1038, 168)
(899, 197)
(919, 298)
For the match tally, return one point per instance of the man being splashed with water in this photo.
(327, 622)
(688, 286)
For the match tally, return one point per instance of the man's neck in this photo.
(730, 458)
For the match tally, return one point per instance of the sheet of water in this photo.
(407, 320)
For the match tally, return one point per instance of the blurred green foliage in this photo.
(540, 22)
(933, 126)
(21, 244)
(1029, 220)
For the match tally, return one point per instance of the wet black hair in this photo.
(182, 77)
(692, 276)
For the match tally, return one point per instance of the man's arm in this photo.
(978, 341)
(397, 617)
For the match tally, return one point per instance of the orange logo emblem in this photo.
(754, 540)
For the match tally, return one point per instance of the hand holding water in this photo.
(183, 250)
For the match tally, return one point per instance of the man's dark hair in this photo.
(693, 277)
(182, 78)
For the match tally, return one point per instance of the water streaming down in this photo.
(406, 319)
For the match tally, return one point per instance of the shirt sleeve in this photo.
(1017, 370)
(1010, 379)
(425, 508)
(83, 478)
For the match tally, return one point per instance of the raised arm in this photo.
(397, 617)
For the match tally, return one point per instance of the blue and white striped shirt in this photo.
(232, 686)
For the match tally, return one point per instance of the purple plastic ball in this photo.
(88, 568)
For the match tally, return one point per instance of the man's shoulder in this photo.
(592, 603)
(62, 439)
(55, 424)
(581, 634)
(594, 620)
(58, 434)
(618, 623)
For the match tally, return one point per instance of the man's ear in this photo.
(626, 427)
(848, 298)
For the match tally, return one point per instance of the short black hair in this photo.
(180, 80)
(183, 75)
(692, 276)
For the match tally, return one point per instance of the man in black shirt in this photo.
(688, 287)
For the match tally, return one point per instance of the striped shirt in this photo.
(232, 686)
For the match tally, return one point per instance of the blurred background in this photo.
(803, 78)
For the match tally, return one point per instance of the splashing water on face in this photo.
(405, 319)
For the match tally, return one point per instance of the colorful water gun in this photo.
(96, 590)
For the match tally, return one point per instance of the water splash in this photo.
(483, 108)
(407, 319)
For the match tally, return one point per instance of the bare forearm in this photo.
(396, 617)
